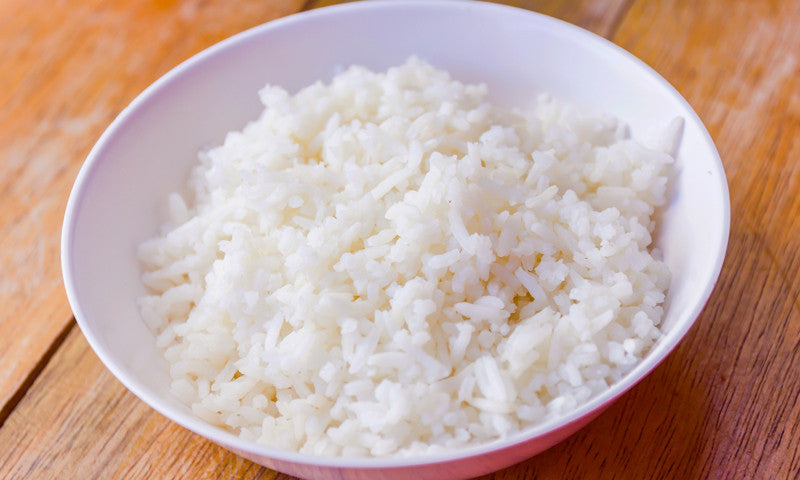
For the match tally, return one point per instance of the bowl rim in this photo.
(526, 434)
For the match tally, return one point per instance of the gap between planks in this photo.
(7, 409)
(617, 19)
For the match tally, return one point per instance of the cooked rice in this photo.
(389, 265)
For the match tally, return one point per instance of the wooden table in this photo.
(725, 403)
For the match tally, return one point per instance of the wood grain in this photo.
(77, 421)
(741, 362)
(601, 17)
(68, 68)
(723, 405)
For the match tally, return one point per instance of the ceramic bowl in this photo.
(119, 196)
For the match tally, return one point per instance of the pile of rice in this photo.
(391, 265)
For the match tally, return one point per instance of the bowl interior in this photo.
(119, 198)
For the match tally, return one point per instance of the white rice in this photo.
(390, 265)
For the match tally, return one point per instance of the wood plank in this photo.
(738, 63)
(600, 17)
(725, 403)
(68, 68)
(77, 421)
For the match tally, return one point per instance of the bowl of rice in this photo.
(400, 238)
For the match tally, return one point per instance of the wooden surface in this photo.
(723, 405)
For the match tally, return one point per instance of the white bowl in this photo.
(118, 197)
